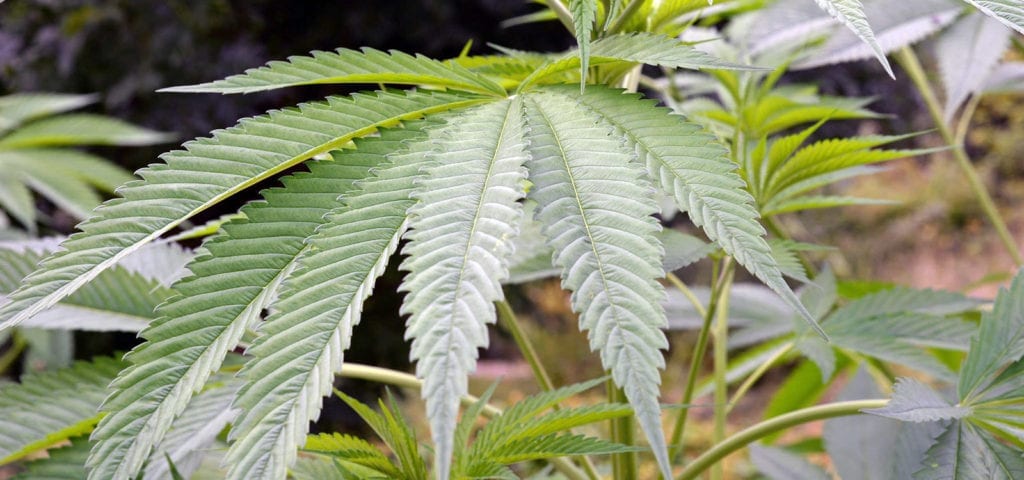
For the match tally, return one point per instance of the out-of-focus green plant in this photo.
(36, 136)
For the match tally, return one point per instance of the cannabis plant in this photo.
(448, 167)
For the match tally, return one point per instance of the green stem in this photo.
(627, 12)
(908, 59)
(563, 14)
(507, 319)
(405, 380)
(775, 424)
(756, 375)
(18, 345)
(675, 442)
(624, 465)
(721, 365)
(692, 297)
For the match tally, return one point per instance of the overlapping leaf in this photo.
(967, 54)
(850, 13)
(206, 172)
(50, 407)
(302, 345)
(234, 280)
(1008, 12)
(584, 14)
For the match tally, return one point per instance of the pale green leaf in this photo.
(584, 14)
(64, 463)
(850, 13)
(597, 208)
(999, 342)
(965, 452)
(302, 345)
(80, 129)
(689, 163)
(208, 171)
(1008, 12)
(967, 53)
(18, 108)
(274, 231)
(913, 401)
(460, 238)
(344, 66)
(50, 407)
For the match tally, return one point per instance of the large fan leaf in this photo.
(350, 66)
(850, 13)
(50, 407)
(596, 205)
(302, 345)
(206, 172)
(225, 296)
(1008, 12)
(912, 401)
(462, 227)
(65, 463)
(967, 53)
(694, 168)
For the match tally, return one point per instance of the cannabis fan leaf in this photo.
(452, 185)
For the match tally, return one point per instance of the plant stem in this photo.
(756, 375)
(676, 282)
(18, 345)
(624, 465)
(627, 12)
(405, 380)
(675, 442)
(721, 365)
(908, 59)
(563, 14)
(507, 319)
(750, 435)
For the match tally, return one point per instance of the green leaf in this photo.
(554, 445)
(1000, 341)
(584, 14)
(896, 25)
(913, 401)
(117, 299)
(461, 227)
(850, 13)
(80, 129)
(208, 171)
(1008, 12)
(967, 54)
(964, 452)
(50, 407)
(65, 463)
(597, 210)
(344, 66)
(352, 450)
(195, 431)
(19, 108)
(393, 429)
(275, 231)
(646, 48)
(682, 250)
(689, 163)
